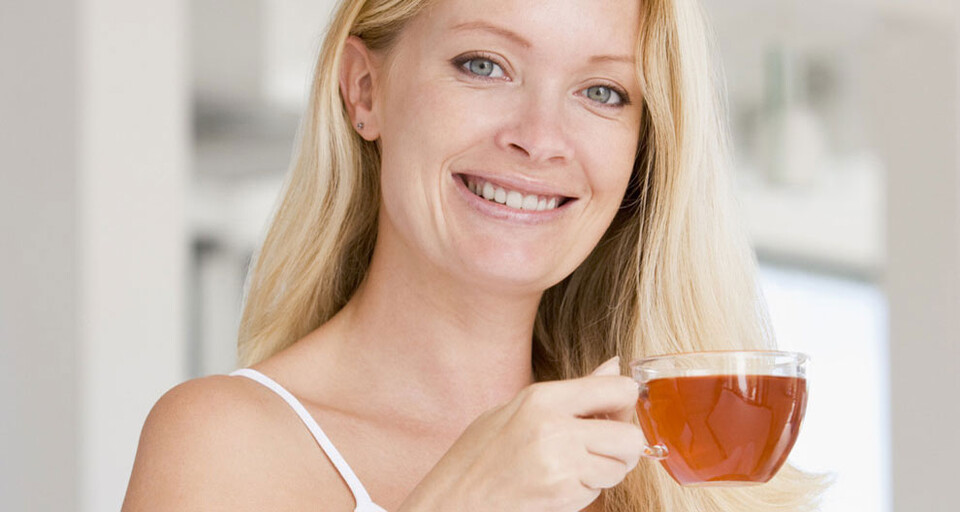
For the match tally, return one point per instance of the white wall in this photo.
(227, 44)
(250, 51)
(134, 139)
(294, 29)
(39, 257)
(93, 158)
(916, 120)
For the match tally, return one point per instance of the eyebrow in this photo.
(520, 41)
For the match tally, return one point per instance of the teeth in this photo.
(530, 203)
(488, 191)
(514, 199)
(511, 198)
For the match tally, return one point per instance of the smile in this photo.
(515, 199)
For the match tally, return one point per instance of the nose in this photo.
(537, 131)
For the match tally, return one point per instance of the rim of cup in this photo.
(798, 358)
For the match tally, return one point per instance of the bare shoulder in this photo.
(227, 443)
(198, 443)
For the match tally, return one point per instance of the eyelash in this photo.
(460, 61)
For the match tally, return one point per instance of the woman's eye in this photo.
(483, 67)
(602, 94)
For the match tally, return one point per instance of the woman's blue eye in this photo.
(602, 94)
(488, 68)
(484, 67)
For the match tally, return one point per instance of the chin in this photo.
(513, 276)
(511, 264)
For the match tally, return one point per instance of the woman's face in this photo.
(531, 103)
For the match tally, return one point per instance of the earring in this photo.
(359, 126)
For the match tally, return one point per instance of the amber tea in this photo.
(724, 428)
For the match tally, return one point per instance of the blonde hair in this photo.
(672, 273)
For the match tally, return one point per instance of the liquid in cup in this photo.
(723, 428)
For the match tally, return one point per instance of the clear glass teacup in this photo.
(721, 418)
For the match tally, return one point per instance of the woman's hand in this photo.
(553, 447)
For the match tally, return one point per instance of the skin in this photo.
(429, 401)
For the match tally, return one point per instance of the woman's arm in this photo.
(224, 443)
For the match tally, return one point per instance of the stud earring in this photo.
(359, 126)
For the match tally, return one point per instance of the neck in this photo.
(434, 347)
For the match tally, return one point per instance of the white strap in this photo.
(364, 503)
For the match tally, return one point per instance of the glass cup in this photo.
(721, 418)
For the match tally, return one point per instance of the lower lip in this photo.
(504, 212)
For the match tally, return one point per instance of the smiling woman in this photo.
(489, 199)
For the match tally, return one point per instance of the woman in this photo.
(490, 198)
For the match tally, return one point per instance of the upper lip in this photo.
(521, 184)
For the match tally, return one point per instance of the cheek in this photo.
(427, 111)
(423, 127)
(429, 121)
(612, 156)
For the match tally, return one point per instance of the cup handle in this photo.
(656, 451)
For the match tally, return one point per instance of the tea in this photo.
(723, 428)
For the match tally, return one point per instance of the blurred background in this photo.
(143, 143)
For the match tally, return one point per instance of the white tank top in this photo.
(364, 503)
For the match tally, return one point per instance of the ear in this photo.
(358, 81)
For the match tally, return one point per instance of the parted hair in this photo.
(673, 272)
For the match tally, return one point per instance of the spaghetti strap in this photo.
(360, 495)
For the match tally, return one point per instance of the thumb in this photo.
(610, 367)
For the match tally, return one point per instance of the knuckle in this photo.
(611, 475)
(631, 441)
(557, 501)
(546, 434)
(555, 468)
(630, 387)
(629, 434)
(637, 441)
(483, 417)
(536, 396)
(567, 492)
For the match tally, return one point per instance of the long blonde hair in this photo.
(672, 273)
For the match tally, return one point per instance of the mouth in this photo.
(510, 197)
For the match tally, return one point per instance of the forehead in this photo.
(589, 27)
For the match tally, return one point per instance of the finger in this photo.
(602, 472)
(591, 395)
(616, 440)
(609, 367)
(625, 415)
